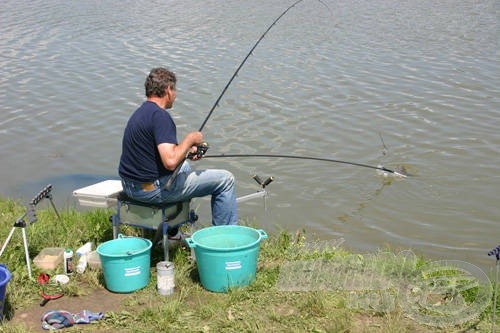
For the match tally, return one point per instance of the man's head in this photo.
(158, 80)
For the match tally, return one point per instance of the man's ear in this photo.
(169, 92)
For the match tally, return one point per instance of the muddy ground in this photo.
(99, 300)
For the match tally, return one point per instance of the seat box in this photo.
(149, 217)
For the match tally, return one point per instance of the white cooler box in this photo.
(102, 195)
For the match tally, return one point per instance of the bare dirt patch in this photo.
(98, 300)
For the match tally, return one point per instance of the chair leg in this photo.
(164, 226)
(115, 219)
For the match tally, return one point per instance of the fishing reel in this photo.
(201, 149)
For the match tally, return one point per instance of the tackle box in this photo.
(102, 195)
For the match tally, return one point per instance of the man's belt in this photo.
(148, 187)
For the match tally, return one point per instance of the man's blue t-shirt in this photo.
(148, 126)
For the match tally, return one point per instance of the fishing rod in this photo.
(243, 62)
(203, 148)
(381, 168)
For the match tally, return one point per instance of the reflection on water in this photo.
(422, 75)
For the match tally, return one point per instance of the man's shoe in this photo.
(178, 239)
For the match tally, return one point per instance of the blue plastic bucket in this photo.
(226, 256)
(125, 263)
(5, 277)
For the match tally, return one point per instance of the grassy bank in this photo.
(302, 285)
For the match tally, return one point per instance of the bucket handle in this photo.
(129, 253)
(191, 243)
(262, 233)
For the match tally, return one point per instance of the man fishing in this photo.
(151, 153)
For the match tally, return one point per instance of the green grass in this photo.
(302, 285)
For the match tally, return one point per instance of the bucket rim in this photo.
(259, 232)
(8, 275)
(148, 244)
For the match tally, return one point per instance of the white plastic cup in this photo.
(165, 278)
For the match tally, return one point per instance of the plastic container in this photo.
(5, 277)
(125, 263)
(49, 258)
(165, 277)
(82, 264)
(82, 253)
(226, 256)
(84, 249)
(68, 262)
(93, 260)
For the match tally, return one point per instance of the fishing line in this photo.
(385, 151)
(176, 171)
(364, 203)
(380, 168)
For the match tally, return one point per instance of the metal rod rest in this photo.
(259, 194)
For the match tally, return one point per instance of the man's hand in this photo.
(197, 152)
(192, 154)
(172, 155)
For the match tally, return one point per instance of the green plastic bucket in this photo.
(125, 263)
(226, 255)
(5, 277)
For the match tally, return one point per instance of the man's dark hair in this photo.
(158, 80)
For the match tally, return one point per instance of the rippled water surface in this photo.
(396, 83)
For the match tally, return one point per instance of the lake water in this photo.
(396, 83)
